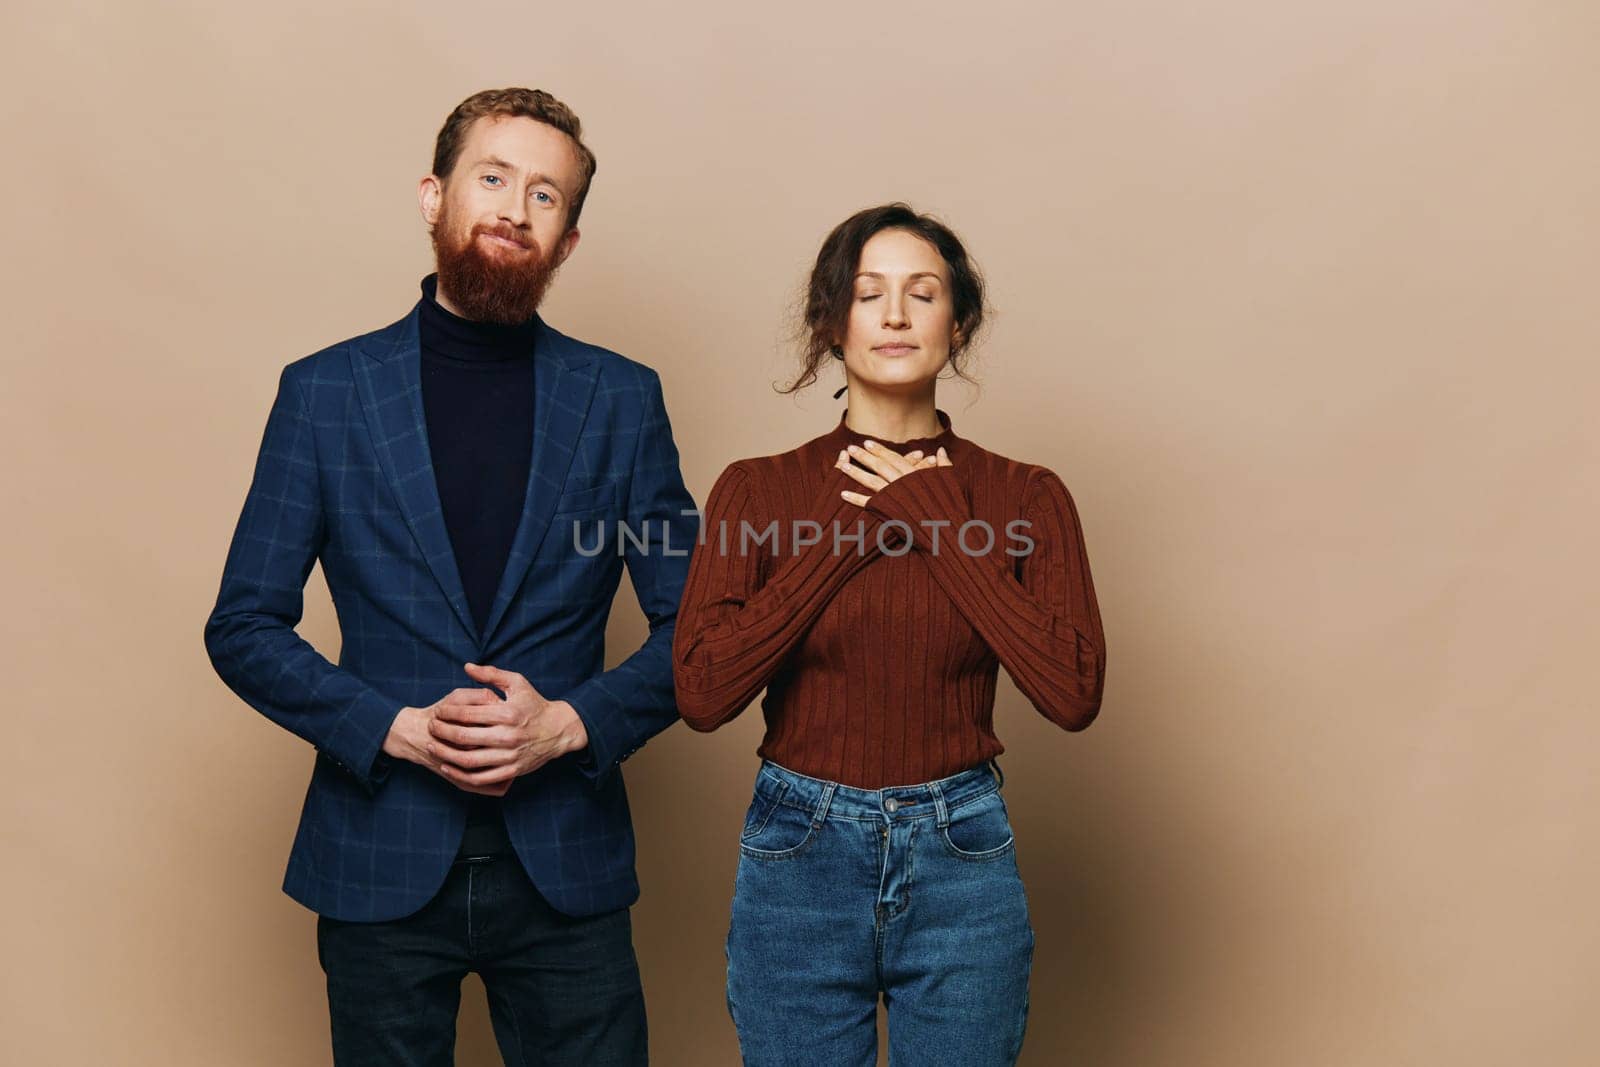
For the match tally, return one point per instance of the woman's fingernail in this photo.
(872, 444)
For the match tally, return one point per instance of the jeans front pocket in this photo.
(773, 829)
(762, 804)
(979, 830)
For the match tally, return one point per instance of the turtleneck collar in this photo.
(842, 435)
(446, 334)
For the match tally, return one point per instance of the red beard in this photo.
(490, 283)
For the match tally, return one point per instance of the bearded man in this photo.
(466, 811)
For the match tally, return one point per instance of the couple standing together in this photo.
(454, 472)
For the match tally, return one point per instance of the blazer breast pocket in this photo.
(586, 498)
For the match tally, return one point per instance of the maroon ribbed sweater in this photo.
(880, 663)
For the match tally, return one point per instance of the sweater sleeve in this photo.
(1045, 629)
(735, 626)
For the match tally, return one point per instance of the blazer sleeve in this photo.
(250, 635)
(736, 626)
(624, 707)
(1044, 628)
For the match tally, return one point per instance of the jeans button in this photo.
(890, 805)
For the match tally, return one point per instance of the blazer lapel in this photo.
(564, 380)
(388, 375)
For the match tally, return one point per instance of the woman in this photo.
(872, 580)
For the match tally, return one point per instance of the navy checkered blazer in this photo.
(344, 477)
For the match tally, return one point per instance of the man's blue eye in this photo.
(543, 194)
(491, 177)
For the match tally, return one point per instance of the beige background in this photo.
(1297, 298)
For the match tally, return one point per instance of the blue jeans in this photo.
(562, 990)
(846, 894)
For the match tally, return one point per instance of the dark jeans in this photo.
(562, 990)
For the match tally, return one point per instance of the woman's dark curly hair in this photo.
(832, 285)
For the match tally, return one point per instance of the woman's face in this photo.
(901, 314)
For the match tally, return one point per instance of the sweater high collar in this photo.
(842, 435)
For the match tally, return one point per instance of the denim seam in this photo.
(471, 950)
(812, 833)
(978, 857)
(783, 788)
(877, 902)
(809, 809)
(516, 1031)
(911, 871)
(1027, 983)
(971, 800)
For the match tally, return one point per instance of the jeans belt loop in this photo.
(999, 775)
(822, 805)
(938, 805)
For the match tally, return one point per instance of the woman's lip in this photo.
(895, 348)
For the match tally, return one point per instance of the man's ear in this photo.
(430, 194)
(564, 247)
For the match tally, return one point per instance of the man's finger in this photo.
(495, 714)
(472, 695)
(505, 681)
(493, 789)
(455, 733)
(476, 781)
(501, 773)
(498, 789)
(470, 759)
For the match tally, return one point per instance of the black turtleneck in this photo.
(477, 399)
(477, 396)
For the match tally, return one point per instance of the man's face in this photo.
(499, 219)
